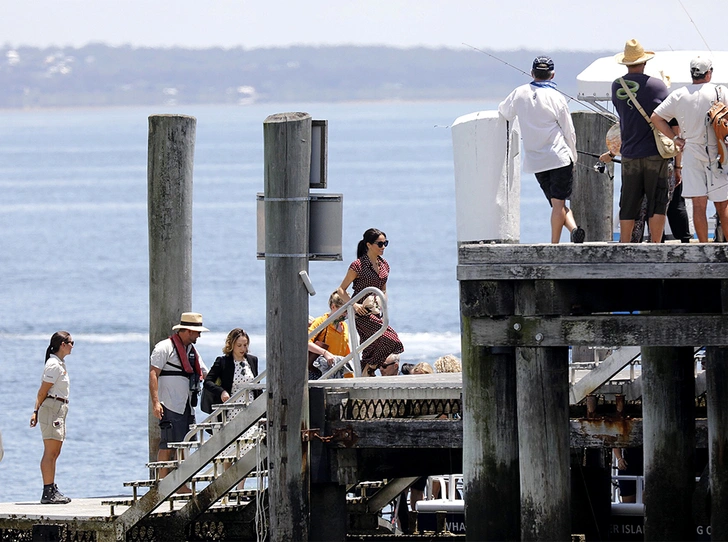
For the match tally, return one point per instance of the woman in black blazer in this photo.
(223, 379)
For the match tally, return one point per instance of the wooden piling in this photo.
(287, 155)
(542, 376)
(170, 160)
(490, 441)
(591, 197)
(716, 359)
(668, 409)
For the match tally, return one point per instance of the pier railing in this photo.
(356, 348)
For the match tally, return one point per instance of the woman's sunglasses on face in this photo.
(382, 244)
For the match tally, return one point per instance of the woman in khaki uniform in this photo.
(51, 408)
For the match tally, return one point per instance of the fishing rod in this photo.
(585, 104)
(600, 166)
(695, 26)
(615, 159)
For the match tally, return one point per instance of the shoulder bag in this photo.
(665, 146)
(718, 118)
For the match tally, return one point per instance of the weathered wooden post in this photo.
(591, 198)
(490, 441)
(716, 370)
(542, 384)
(543, 437)
(287, 141)
(668, 410)
(171, 150)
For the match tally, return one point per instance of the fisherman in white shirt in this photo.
(702, 177)
(549, 142)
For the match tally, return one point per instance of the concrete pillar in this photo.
(668, 410)
(171, 150)
(486, 153)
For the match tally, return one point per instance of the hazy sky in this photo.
(507, 24)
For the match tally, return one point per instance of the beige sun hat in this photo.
(633, 54)
(191, 321)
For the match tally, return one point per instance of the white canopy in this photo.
(594, 84)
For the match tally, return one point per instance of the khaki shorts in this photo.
(52, 419)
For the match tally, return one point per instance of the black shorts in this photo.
(173, 427)
(643, 177)
(557, 183)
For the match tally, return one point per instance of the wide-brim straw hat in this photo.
(191, 321)
(633, 54)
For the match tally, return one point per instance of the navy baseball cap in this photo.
(543, 63)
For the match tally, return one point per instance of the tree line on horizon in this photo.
(101, 75)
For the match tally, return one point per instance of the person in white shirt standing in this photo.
(549, 142)
(702, 179)
(176, 371)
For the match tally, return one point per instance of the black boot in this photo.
(60, 495)
(50, 496)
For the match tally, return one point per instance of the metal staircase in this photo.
(207, 448)
(204, 466)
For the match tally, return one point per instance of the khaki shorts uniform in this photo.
(52, 419)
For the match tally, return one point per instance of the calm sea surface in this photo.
(74, 256)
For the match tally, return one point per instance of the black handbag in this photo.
(208, 399)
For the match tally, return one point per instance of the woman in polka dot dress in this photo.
(228, 375)
(370, 269)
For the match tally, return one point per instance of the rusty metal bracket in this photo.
(345, 435)
(308, 434)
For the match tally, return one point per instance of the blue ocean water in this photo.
(74, 256)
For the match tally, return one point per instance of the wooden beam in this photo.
(584, 270)
(593, 433)
(606, 369)
(637, 254)
(608, 329)
(402, 433)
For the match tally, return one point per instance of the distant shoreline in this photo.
(389, 101)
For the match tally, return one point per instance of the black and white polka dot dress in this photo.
(389, 343)
(243, 374)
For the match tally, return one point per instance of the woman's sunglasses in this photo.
(382, 244)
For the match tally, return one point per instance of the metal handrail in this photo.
(221, 409)
(354, 355)
(356, 349)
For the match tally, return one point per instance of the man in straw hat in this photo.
(644, 171)
(702, 179)
(176, 370)
(549, 142)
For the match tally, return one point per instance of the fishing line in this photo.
(589, 106)
(695, 26)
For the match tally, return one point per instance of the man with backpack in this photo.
(702, 176)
